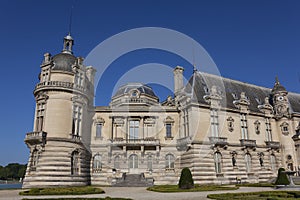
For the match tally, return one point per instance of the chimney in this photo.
(178, 79)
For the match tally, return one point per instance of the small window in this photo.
(170, 160)
(75, 163)
(218, 162)
(117, 162)
(34, 160)
(97, 164)
(248, 162)
(149, 163)
(99, 130)
(168, 130)
(234, 96)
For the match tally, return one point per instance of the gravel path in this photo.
(138, 193)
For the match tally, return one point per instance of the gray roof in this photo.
(230, 90)
(142, 88)
(63, 62)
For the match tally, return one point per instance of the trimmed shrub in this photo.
(186, 179)
(282, 178)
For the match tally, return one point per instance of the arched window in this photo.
(273, 162)
(170, 159)
(34, 160)
(149, 162)
(133, 161)
(97, 163)
(117, 162)
(75, 163)
(218, 162)
(248, 162)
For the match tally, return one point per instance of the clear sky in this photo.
(251, 41)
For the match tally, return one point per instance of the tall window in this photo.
(75, 162)
(273, 162)
(149, 162)
(214, 123)
(170, 160)
(77, 118)
(244, 127)
(268, 130)
(99, 130)
(40, 116)
(117, 162)
(168, 130)
(79, 79)
(45, 76)
(248, 162)
(34, 160)
(218, 162)
(134, 129)
(97, 164)
(133, 161)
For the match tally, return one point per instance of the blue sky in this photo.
(251, 41)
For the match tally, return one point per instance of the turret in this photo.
(64, 97)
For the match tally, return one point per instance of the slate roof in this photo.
(230, 90)
(63, 62)
(142, 88)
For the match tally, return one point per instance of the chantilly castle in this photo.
(220, 129)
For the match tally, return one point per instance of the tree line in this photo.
(12, 171)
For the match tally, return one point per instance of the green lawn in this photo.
(63, 191)
(197, 188)
(268, 195)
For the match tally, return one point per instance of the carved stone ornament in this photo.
(230, 123)
(257, 127)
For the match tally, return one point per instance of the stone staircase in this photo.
(133, 180)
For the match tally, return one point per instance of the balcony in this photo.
(184, 143)
(272, 144)
(138, 142)
(37, 137)
(218, 141)
(58, 85)
(248, 143)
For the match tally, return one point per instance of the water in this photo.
(11, 186)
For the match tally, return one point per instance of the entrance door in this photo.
(133, 163)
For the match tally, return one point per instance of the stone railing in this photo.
(220, 141)
(248, 143)
(272, 144)
(145, 141)
(60, 84)
(36, 137)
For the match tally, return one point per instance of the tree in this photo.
(186, 179)
(12, 171)
(282, 178)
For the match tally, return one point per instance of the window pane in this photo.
(168, 130)
(99, 130)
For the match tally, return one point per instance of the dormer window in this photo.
(234, 96)
(285, 128)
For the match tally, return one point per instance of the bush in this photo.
(186, 179)
(282, 178)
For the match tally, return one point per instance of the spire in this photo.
(277, 81)
(68, 40)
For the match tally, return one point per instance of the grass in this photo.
(63, 191)
(197, 188)
(268, 195)
(256, 185)
(106, 198)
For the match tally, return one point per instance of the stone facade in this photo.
(222, 129)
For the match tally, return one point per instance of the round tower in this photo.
(59, 143)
